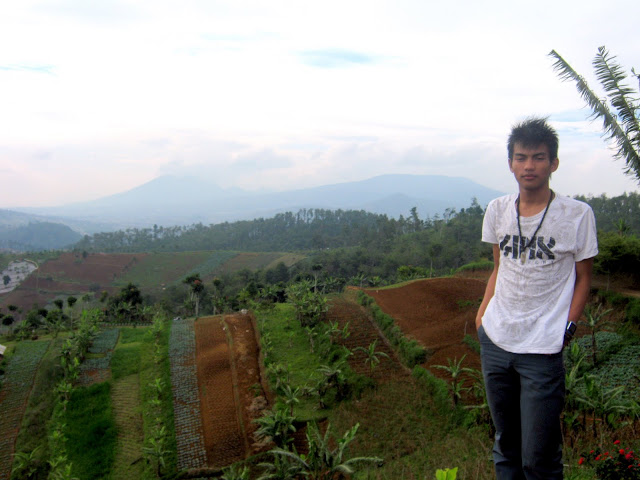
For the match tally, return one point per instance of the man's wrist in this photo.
(569, 331)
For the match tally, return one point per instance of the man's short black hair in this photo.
(531, 133)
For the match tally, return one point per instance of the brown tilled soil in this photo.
(436, 312)
(228, 373)
(67, 274)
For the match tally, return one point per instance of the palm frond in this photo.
(621, 125)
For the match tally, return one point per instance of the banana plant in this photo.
(455, 370)
(372, 357)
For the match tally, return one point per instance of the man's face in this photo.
(532, 167)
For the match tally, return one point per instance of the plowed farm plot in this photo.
(70, 274)
(436, 312)
(229, 386)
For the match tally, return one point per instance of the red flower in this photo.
(617, 442)
(598, 458)
(621, 452)
(592, 451)
(628, 456)
(581, 461)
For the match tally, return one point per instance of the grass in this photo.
(91, 431)
(125, 361)
(290, 347)
(402, 423)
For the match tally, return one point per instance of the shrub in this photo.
(632, 312)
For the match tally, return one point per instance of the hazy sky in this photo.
(99, 96)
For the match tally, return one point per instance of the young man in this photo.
(543, 249)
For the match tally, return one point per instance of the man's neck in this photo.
(533, 202)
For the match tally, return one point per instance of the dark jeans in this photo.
(525, 393)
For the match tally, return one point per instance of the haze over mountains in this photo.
(172, 200)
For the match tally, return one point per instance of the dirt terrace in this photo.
(436, 312)
(229, 385)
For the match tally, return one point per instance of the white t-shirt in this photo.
(529, 310)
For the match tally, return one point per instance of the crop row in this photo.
(15, 390)
(186, 402)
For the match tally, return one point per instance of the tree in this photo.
(619, 111)
(196, 288)
(6, 279)
(71, 301)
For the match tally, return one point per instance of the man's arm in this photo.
(491, 286)
(581, 290)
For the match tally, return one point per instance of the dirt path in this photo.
(228, 376)
(125, 398)
(362, 334)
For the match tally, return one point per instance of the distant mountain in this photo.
(171, 200)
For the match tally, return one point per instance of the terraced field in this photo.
(14, 394)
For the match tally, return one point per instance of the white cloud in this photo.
(123, 91)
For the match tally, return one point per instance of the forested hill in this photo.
(304, 230)
(316, 229)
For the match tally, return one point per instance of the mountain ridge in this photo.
(182, 200)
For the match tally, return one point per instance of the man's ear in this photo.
(510, 162)
(554, 164)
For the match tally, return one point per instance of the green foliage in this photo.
(327, 458)
(125, 361)
(632, 312)
(619, 255)
(614, 463)
(90, 427)
(614, 212)
(617, 110)
(157, 405)
(276, 425)
(472, 343)
(447, 474)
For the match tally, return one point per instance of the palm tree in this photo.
(619, 114)
(372, 356)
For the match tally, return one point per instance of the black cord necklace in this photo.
(533, 237)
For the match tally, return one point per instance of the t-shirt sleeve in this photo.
(488, 224)
(587, 237)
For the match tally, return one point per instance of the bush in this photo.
(632, 312)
